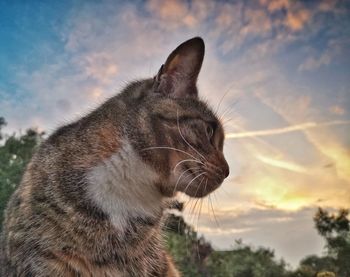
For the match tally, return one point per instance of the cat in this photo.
(92, 199)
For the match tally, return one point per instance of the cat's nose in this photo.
(225, 168)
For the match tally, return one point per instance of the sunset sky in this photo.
(280, 70)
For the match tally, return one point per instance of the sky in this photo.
(278, 72)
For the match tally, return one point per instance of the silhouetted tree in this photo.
(335, 228)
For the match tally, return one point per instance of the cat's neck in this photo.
(123, 186)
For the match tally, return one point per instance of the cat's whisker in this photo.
(228, 109)
(212, 208)
(223, 96)
(199, 185)
(169, 148)
(216, 199)
(226, 115)
(206, 184)
(188, 160)
(178, 179)
(196, 223)
(226, 121)
(208, 207)
(178, 127)
(200, 209)
(192, 211)
(199, 212)
(193, 180)
(197, 191)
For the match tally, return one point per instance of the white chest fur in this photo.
(124, 186)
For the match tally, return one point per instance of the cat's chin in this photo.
(194, 192)
(200, 192)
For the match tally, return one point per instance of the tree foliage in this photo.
(335, 229)
(15, 153)
(196, 257)
(243, 260)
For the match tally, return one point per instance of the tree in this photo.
(313, 265)
(195, 256)
(335, 228)
(2, 123)
(15, 153)
(189, 250)
(245, 261)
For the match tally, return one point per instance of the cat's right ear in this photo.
(178, 76)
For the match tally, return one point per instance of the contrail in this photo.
(282, 164)
(292, 128)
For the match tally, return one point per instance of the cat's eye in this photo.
(210, 131)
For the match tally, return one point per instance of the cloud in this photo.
(257, 23)
(329, 6)
(318, 58)
(337, 154)
(297, 16)
(172, 12)
(98, 66)
(312, 63)
(298, 19)
(274, 5)
(338, 110)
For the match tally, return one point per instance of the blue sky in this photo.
(281, 67)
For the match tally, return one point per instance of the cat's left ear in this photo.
(178, 76)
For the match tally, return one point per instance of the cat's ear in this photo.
(178, 76)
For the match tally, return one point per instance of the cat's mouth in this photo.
(200, 182)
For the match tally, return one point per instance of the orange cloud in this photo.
(296, 17)
(273, 5)
(296, 20)
(173, 12)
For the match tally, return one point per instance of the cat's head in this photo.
(173, 130)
